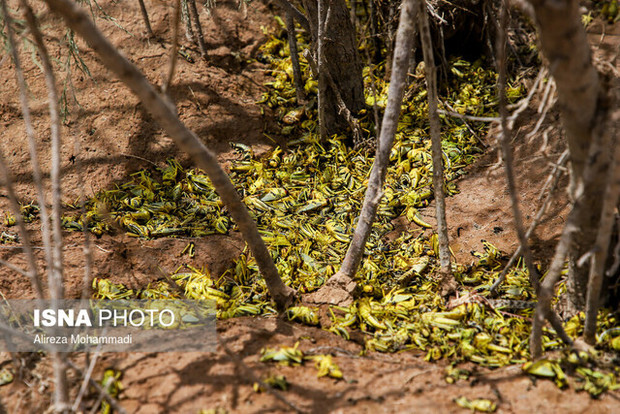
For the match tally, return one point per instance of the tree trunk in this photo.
(565, 46)
(341, 60)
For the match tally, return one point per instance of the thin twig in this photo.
(332, 350)
(87, 378)
(14, 268)
(438, 18)
(34, 158)
(139, 158)
(423, 372)
(571, 228)
(353, 16)
(469, 117)
(373, 86)
(504, 141)
(8, 182)
(545, 292)
(546, 104)
(464, 120)
(60, 363)
(374, 30)
(320, 68)
(616, 264)
(145, 17)
(21, 247)
(55, 274)
(435, 131)
(88, 257)
(101, 390)
(525, 102)
(548, 190)
(194, 16)
(546, 95)
(12, 332)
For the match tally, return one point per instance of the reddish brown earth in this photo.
(216, 100)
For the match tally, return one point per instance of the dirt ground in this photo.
(216, 100)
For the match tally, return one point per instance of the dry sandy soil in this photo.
(215, 98)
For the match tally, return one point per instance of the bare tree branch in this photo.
(34, 158)
(335, 50)
(548, 190)
(55, 274)
(195, 17)
(86, 380)
(469, 117)
(185, 139)
(35, 279)
(88, 257)
(145, 17)
(565, 45)
(373, 86)
(504, 141)
(101, 390)
(547, 102)
(448, 284)
(522, 105)
(14, 268)
(343, 280)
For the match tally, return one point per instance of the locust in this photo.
(305, 197)
(285, 355)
